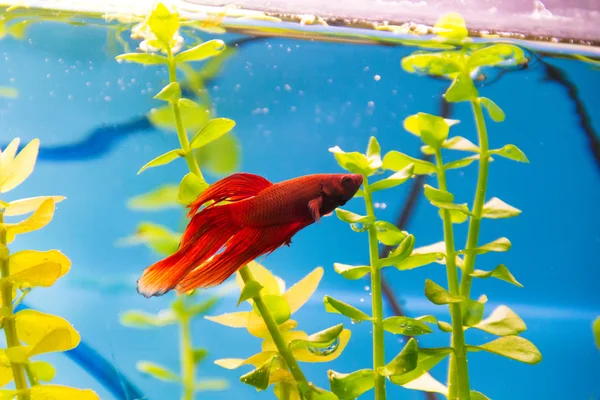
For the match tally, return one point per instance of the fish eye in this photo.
(346, 181)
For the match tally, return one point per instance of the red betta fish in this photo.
(256, 218)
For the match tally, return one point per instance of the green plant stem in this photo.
(10, 329)
(33, 380)
(181, 133)
(187, 358)
(475, 220)
(458, 374)
(277, 337)
(377, 299)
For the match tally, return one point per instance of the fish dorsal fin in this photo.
(314, 206)
(232, 188)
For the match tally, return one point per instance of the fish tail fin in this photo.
(205, 235)
(233, 188)
(246, 245)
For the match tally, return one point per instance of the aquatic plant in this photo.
(30, 333)
(274, 365)
(596, 331)
(160, 34)
(457, 60)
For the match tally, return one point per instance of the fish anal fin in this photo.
(314, 206)
(232, 188)
(246, 245)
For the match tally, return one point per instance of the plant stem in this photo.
(277, 337)
(475, 220)
(187, 358)
(181, 133)
(377, 300)
(458, 374)
(10, 329)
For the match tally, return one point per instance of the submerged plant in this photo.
(30, 333)
(160, 31)
(274, 365)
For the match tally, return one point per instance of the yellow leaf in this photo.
(291, 388)
(45, 333)
(269, 345)
(256, 360)
(163, 23)
(234, 320)
(20, 168)
(299, 294)
(39, 275)
(56, 392)
(25, 206)
(280, 375)
(264, 277)
(8, 394)
(303, 354)
(8, 154)
(40, 218)
(40, 265)
(6, 375)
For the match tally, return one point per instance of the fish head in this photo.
(340, 188)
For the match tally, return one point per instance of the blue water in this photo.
(311, 96)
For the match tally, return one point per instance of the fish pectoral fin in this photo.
(314, 206)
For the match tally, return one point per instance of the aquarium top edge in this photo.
(274, 23)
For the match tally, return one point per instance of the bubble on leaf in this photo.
(327, 350)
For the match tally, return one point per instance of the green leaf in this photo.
(374, 153)
(513, 347)
(427, 383)
(221, 156)
(335, 306)
(434, 194)
(214, 129)
(512, 152)
(190, 188)
(162, 159)
(170, 93)
(428, 358)
(199, 355)
(462, 89)
(454, 143)
(351, 386)
(452, 26)
(163, 197)
(438, 64)
(393, 180)
(438, 295)
(320, 340)
(452, 207)
(500, 272)
(259, 378)
(404, 362)
(251, 289)
(456, 217)
(8, 92)
(433, 130)
(496, 54)
(351, 272)
(596, 330)
(43, 370)
(279, 308)
(418, 260)
(187, 103)
(478, 396)
(502, 322)
(201, 51)
(157, 237)
(496, 208)
(202, 307)
(352, 218)
(354, 161)
(495, 112)
(444, 326)
(463, 162)
(205, 385)
(163, 23)
(400, 253)
(322, 394)
(406, 326)
(389, 234)
(193, 118)
(141, 319)
(499, 245)
(157, 371)
(143, 58)
(473, 311)
(396, 161)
